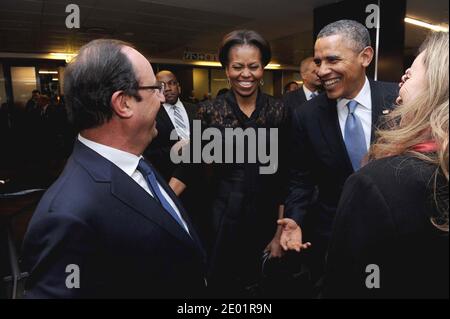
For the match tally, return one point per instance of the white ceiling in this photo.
(165, 28)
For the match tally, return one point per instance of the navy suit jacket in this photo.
(295, 98)
(319, 158)
(124, 244)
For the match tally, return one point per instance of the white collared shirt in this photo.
(170, 111)
(363, 111)
(308, 93)
(128, 163)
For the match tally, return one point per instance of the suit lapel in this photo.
(329, 124)
(180, 207)
(130, 193)
(191, 110)
(165, 120)
(301, 95)
(380, 106)
(124, 188)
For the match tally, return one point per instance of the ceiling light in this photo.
(63, 56)
(207, 63)
(423, 24)
(273, 66)
(47, 72)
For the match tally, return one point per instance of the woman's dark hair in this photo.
(99, 70)
(242, 37)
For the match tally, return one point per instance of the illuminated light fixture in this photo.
(55, 79)
(63, 56)
(47, 72)
(273, 66)
(426, 25)
(207, 63)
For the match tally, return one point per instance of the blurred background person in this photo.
(245, 204)
(291, 86)
(310, 88)
(394, 212)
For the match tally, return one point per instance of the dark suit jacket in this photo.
(383, 218)
(124, 243)
(319, 157)
(158, 152)
(294, 98)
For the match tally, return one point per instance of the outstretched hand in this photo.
(291, 235)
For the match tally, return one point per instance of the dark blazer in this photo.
(319, 157)
(294, 98)
(125, 245)
(383, 218)
(158, 152)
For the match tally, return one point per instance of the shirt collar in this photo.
(307, 92)
(177, 104)
(363, 98)
(127, 162)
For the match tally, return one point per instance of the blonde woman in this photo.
(390, 237)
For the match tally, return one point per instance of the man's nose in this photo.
(322, 70)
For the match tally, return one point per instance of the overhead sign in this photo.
(199, 56)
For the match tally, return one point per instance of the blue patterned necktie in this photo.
(354, 137)
(150, 177)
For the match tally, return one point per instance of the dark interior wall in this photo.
(392, 31)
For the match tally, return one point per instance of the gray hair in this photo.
(351, 30)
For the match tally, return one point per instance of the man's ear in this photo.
(120, 104)
(366, 56)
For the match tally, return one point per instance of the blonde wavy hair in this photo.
(423, 119)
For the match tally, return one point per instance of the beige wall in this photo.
(23, 82)
(201, 86)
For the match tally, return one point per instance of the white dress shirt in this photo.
(128, 163)
(170, 111)
(363, 111)
(308, 93)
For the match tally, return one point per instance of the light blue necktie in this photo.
(313, 95)
(150, 177)
(354, 137)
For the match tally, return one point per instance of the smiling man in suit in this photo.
(110, 227)
(331, 135)
(173, 115)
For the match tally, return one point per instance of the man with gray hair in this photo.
(330, 136)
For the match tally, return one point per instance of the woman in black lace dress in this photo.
(245, 203)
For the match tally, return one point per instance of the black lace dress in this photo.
(243, 203)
